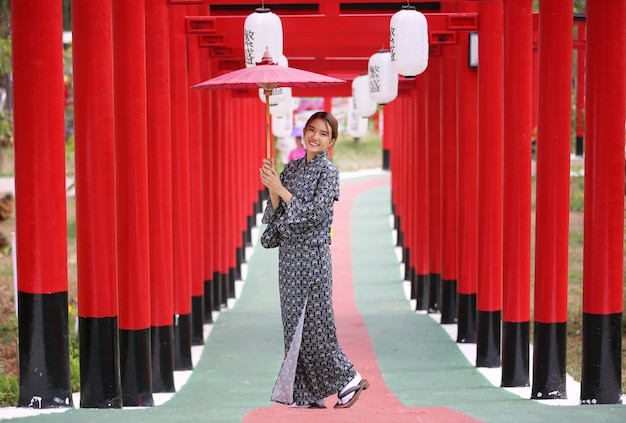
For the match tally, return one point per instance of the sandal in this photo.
(362, 386)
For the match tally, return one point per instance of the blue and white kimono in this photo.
(315, 366)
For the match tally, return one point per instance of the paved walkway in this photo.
(417, 372)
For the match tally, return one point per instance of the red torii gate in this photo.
(36, 66)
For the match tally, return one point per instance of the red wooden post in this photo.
(221, 214)
(489, 185)
(40, 195)
(552, 205)
(230, 187)
(216, 193)
(449, 207)
(94, 131)
(252, 178)
(131, 165)
(207, 100)
(467, 193)
(160, 195)
(195, 188)
(604, 203)
(180, 189)
(517, 192)
(393, 113)
(240, 172)
(580, 47)
(420, 165)
(433, 134)
(405, 125)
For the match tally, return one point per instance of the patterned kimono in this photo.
(314, 366)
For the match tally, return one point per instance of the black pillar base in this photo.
(601, 366)
(515, 354)
(240, 258)
(162, 340)
(488, 338)
(197, 316)
(258, 206)
(466, 331)
(217, 290)
(423, 292)
(549, 361)
(100, 380)
(412, 278)
(44, 355)
(208, 302)
(182, 342)
(136, 368)
(232, 277)
(406, 261)
(434, 300)
(400, 236)
(247, 238)
(386, 159)
(448, 301)
(225, 288)
(579, 146)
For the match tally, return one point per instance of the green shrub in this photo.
(9, 390)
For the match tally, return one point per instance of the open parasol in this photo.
(268, 75)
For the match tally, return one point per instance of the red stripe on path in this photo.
(378, 403)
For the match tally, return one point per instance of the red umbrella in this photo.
(268, 75)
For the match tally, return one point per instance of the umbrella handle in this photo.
(267, 123)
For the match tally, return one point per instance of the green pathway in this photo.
(421, 365)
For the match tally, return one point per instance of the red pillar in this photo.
(604, 203)
(397, 142)
(552, 205)
(195, 188)
(40, 204)
(221, 214)
(208, 189)
(449, 208)
(229, 188)
(467, 193)
(406, 137)
(420, 163)
(580, 46)
(517, 192)
(131, 166)
(433, 135)
(160, 195)
(489, 185)
(94, 132)
(180, 189)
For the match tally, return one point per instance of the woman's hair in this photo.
(330, 120)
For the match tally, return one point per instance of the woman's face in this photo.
(317, 137)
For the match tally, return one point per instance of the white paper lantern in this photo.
(279, 93)
(408, 41)
(356, 125)
(262, 29)
(282, 125)
(285, 106)
(383, 78)
(364, 105)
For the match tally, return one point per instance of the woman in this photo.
(299, 215)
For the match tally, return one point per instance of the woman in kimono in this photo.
(299, 216)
